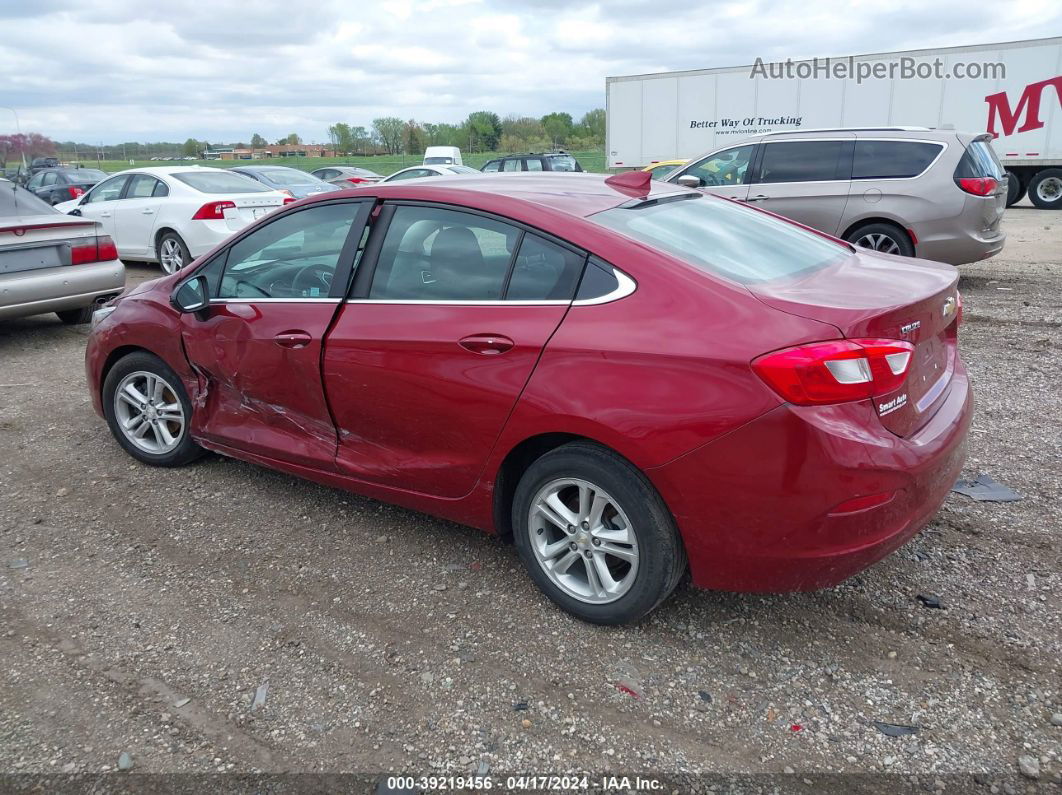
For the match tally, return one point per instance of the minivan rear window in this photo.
(979, 161)
(724, 238)
(893, 159)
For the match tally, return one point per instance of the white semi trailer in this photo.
(1012, 90)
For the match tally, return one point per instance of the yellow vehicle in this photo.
(662, 168)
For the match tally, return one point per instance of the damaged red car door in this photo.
(257, 347)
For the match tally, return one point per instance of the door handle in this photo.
(148, 212)
(487, 344)
(757, 198)
(293, 339)
(105, 215)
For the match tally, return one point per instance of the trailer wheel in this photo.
(1014, 188)
(1045, 189)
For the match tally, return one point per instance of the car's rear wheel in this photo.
(172, 252)
(595, 536)
(148, 411)
(884, 238)
(75, 317)
(1045, 189)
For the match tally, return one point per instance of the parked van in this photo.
(937, 194)
(442, 156)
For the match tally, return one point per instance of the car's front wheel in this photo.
(595, 535)
(148, 411)
(172, 252)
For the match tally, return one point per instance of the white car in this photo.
(416, 172)
(173, 214)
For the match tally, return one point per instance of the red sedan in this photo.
(630, 380)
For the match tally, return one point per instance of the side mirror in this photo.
(192, 295)
(690, 181)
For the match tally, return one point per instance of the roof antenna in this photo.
(631, 183)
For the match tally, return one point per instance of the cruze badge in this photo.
(949, 307)
(909, 327)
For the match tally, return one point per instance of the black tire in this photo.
(165, 240)
(1014, 191)
(889, 234)
(661, 556)
(1053, 201)
(76, 317)
(186, 450)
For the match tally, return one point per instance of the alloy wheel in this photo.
(149, 412)
(878, 242)
(583, 540)
(170, 255)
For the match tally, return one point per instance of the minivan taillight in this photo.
(213, 211)
(836, 371)
(100, 249)
(978, 186)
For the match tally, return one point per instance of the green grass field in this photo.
(591, 161)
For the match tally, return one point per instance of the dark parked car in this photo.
(347, 176)
(39, 163)
(628, 378)
(532, 161)
(56, 185)
(289, 180)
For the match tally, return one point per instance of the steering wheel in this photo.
(709, 178)
(312, 276)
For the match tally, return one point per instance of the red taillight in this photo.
(290, 200)
(357, 180)
(213, 211)
(75, 191)
(836, 371)
(978, 186)
(100, 249)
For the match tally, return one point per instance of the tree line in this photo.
(482, 131)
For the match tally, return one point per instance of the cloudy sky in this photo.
(124, 70)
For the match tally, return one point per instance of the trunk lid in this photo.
(252, 206)
(35, 242)
(885, 297)
(979, 163)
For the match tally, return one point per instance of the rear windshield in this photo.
(287, 176)
(438, 161)
(463, 170)
(359, 172)
(724, 238)
(85, 175)
(563, 163)
(218, 181)
(979, 161)
(16, 202)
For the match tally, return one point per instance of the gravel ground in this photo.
(226, 618)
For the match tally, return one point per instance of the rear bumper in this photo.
(57, 289)
(961, 247)
(755, 507)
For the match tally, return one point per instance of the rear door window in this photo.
(802, 161)
(435, 254)
(892, 159)
(512, 165)
(533, 164)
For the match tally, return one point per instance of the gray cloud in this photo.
(125, 69)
